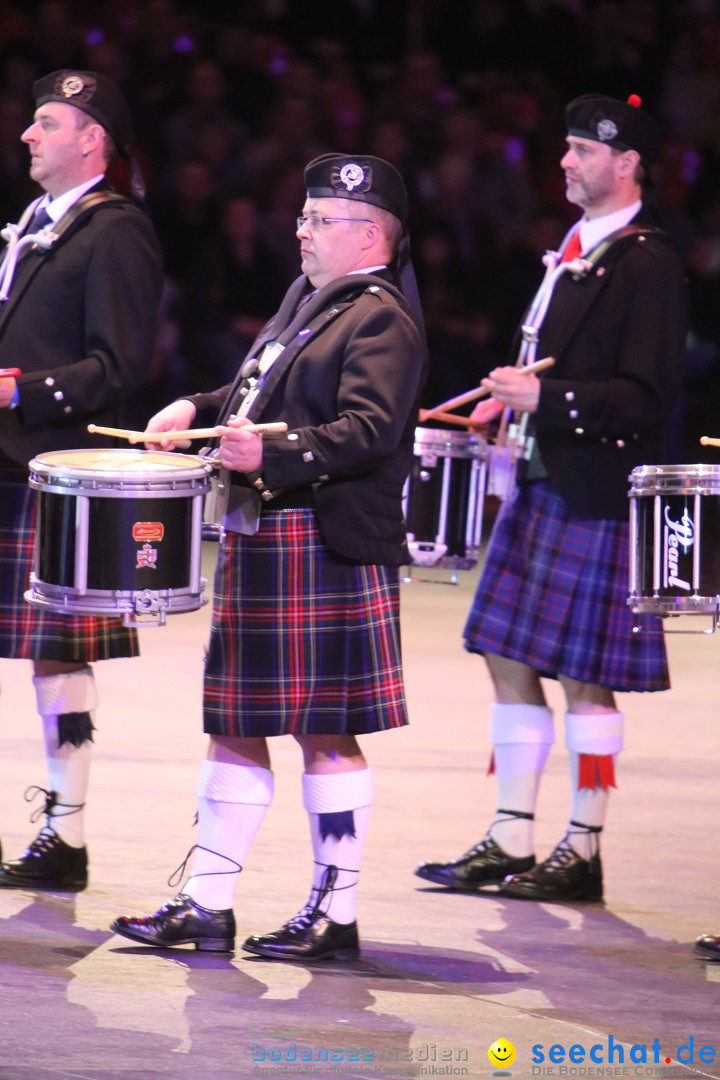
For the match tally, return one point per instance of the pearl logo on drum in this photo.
(677, 535)
(148, 531)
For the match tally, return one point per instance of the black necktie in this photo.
(305, 299)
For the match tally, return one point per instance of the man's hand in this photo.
(7, 392)
(175, 417)
(508, 386)
(241, 450)
(485, 412)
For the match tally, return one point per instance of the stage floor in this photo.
(442, 976)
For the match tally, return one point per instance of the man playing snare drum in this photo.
(305, 638)
(78, 306)
(552, 599)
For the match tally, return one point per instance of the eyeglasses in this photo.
(317, 223)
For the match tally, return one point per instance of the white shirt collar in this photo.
(593, 232)
(369, 269)
(59, 206)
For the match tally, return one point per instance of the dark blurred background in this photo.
(466, 97)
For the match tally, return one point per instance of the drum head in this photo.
(114, 464)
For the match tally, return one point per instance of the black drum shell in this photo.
(118, 531)
(675, 539)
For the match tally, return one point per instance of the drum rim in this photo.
(439, 440)
(694, 479)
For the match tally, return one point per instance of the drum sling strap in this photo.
(247, 492)
(46, 239)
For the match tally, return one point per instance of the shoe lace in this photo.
(45, 841)
(488, 842)
(564, 852)
(481, 847)
(314, 909)
(49, 808)
(177, 875)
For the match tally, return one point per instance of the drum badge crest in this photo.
(146, 533)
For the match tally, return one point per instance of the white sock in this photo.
(68, 765)
(590, 733)
(232, 802)
(522, 736)
(350, 794)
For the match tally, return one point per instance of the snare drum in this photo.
(443, 498)
(675, 539)
(118, 533)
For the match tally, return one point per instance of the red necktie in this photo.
(573, 249)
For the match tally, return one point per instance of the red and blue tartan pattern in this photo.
(553, 595)
(302, 642)
(31, 633)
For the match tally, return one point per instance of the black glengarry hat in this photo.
(620, 124)
(93, 94)
(360, 178)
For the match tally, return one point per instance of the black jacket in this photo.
(348, 386)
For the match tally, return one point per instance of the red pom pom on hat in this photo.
(635, 101)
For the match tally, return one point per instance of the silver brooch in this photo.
(71, 86)
(351, 176)
(607, 130)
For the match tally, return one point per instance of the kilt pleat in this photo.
(31, 633)
(302, 641)
(553, 595)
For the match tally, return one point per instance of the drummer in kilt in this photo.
(305, 634)
(78, 315)
(552, 598)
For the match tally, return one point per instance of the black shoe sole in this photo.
(706, 954)
(201, 944)
(460, 886)
(334, 954)
(44, 886)
(539, 898)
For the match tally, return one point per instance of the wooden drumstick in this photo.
(481, 391)
(190, 433)
(705, 440)
(450, 418)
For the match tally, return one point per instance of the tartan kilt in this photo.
(553, 595)
(302, 641)
(31, 633)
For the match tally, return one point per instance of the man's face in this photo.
(333, 249)
(592, 175)
(55, 143)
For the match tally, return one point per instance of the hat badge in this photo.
(71, 86)
(607, 130)
(351, 176)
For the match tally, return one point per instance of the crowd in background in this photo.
(465, 97)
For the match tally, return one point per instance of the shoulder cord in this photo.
(46, 237)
